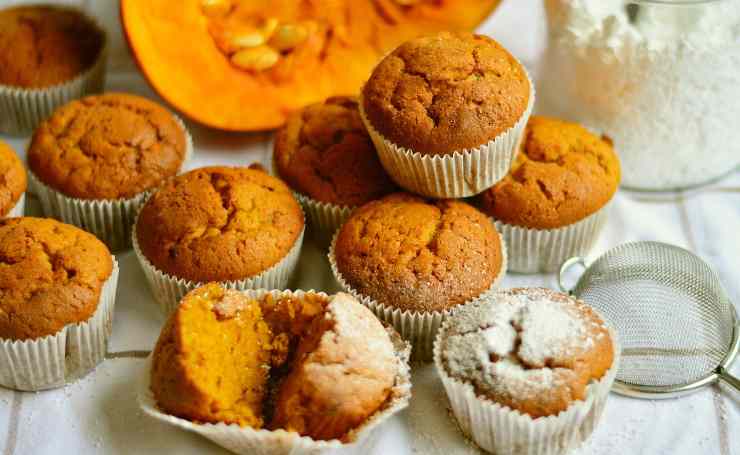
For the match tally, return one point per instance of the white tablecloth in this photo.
(99, 414)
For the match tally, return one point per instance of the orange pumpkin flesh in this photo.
(177, 49)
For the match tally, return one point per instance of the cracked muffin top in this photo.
(109, 146)
(532, 350)
(562, 174)
(41, 46)
(12, 179)
(409, 253)
(307, 363)
(219, 224)
(324, 152)
(447, 92)
(51, 275)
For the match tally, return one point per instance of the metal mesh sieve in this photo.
(677, 327)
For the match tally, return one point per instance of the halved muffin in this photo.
(294, 363)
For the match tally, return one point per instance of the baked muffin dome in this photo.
(409, 253)
(343, 371)
(324, 152)
(562, 174)
(222, 355)
(446, 92)
(14, 180)
(43, 45)
(107, 146)
(219, 224)
(52, 275)
(532, 350)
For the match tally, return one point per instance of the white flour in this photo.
(666, 88)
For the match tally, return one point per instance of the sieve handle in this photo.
(564, 268)
(728, 378)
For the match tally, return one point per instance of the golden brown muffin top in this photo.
(46, 45)
(562, 174)
(533, 350)
(219, 224)
(324, 152)
(51, 275)
(418, 255)
(12, 178)
(446, 92)
(107, 146)
(344, 371)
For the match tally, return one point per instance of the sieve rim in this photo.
(663, 391)
(677, 390)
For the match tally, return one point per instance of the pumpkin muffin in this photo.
(52, 275)
(552, 204)
(14, 181)
(325, 153)
(417, 255)
(343, 372)
(110, 146)
(562, 174)
(521, 355)
(448, 92)
(223, 355)
(219, 224)
(44, 45)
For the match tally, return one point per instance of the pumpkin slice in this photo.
(244, 65)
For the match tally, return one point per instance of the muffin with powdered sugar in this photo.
(527, 370)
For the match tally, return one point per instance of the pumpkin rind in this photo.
(178, 55)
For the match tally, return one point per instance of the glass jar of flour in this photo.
(660, 77)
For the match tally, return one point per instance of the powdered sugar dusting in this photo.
(521, 345)
(549, 330)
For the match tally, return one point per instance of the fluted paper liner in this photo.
(250, 441)
(417, 327)
(501, 430)
(18, 209)
(323, 218)
(22, 109)
(544, 250)
(459, 174)
(168, 289)
(71, 353)
(110, 220)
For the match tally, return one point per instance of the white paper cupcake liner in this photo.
(417, 327)
(323, 218)
(501, 430)
(544, 250)
(249, 441)
(462, 173)
(18, 209)
(22, 109)
(168, 289)
(110, 220)
(64, 357)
